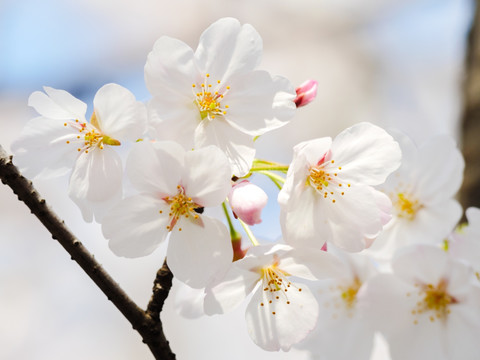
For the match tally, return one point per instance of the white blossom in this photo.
(429, 308)
(465, 242)
(343, 318)
(422, 191)
(281, 311)
(61, 139)
(214, 95)
(174, 188)
(328, 193)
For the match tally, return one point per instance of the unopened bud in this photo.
(247, 201)
(306, 92)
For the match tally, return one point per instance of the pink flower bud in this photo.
(247, 201)
(306, 93)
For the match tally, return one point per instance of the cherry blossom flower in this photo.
(247, 201)
(465, 242)
(214, 95)
(281, 312)
(429, 308)
(174, 188)
(61, 139)
(422, 191)
(343, 318)
(306, 93)
(328, 193)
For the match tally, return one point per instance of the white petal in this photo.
(426, 340)
(305, 155)
(188, 302)
(119, 115)
(353, 217)
(259, 256)
(466, 244)
(473, 217)
(305, 225)
(97, 175)
(283, 102)
(57, 104)
(196, 255)
(231, 291)
(291, 322)
(462, 332)
(174, 118)
(253, 106)
(236, 145)
(156, 167)
(227, 48)
(366, 153)
(96, 209)
(421, 263)
(430, 225)
(389, 307)
(170, 69)
(314, 151)
(42, 148)
(337, 326)
(207, 176)
(311, 264)
(135, 227)
(440, 169)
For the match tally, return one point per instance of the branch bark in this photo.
(147, 323)
(470, 192)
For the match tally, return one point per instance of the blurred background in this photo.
(396, 63)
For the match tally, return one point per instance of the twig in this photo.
(148, 322)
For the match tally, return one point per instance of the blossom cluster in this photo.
(368, 219)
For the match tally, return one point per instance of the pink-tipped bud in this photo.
(247, 201)
(306, 93)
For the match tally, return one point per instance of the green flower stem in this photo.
(234, 234)
(259, 165)
(277, 179)
(269, 168)
(249, 233)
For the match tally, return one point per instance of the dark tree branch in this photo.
(147, 323)
(161, 288)
(470, 192)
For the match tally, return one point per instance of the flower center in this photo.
(349, 294)
(406, 208)
(180, 205)
(434, 299)
(324, 174)
(208, 100)
(90, 136)
(276, 285)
